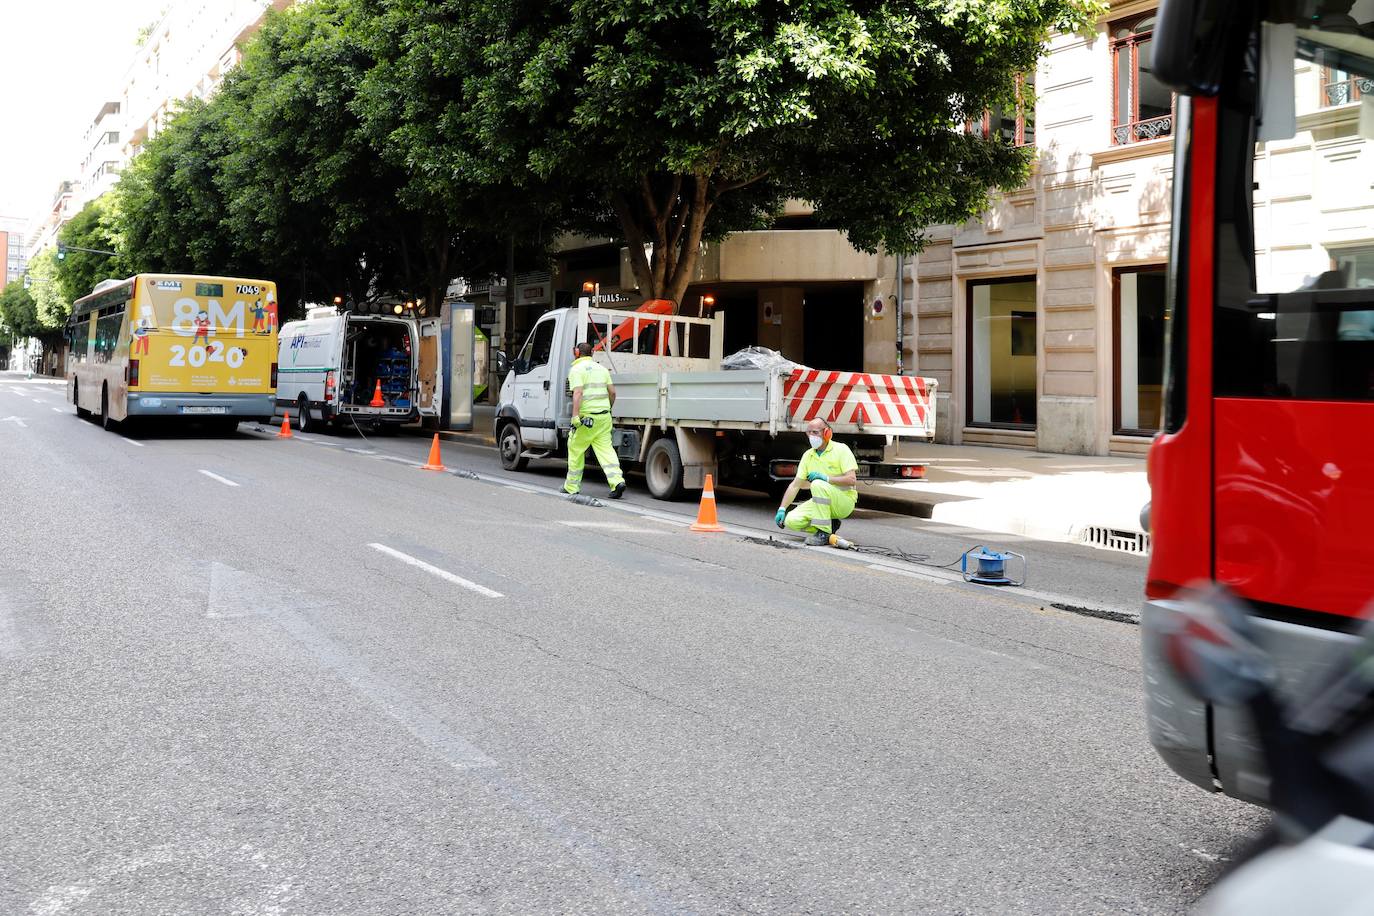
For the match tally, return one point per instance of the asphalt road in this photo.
(244, 675)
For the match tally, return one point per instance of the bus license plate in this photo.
(205, 410)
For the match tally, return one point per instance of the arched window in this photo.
(1142, 106)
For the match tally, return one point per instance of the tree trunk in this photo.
(666, 214)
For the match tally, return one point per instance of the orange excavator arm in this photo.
(627, 328)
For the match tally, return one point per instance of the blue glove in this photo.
(778, 519)
(817, 475)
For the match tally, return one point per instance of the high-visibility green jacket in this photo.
(595, 382)
(837, 459)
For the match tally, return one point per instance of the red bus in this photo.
(1263, 475)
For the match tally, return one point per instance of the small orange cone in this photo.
(706, 515)
(434, 463)
(285, 431)
(377, 400)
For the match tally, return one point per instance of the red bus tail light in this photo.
(131, 374)
(274, 375)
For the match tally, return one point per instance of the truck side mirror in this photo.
(501, 362)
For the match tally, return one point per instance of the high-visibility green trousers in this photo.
(827, 502)
(598, 439)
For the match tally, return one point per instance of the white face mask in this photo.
(815, 440)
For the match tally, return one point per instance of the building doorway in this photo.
(1003, 369)
(1138, 303)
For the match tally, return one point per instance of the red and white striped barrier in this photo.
(878, 402)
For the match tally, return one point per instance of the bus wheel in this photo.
(663, 469)
(105, 422)
(81, 412)
(303, 422)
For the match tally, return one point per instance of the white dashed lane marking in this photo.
(213, 476)
(436, 571)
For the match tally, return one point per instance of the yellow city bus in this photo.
(171, 345)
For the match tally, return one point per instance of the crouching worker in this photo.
(832, 472)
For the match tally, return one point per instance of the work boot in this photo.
(818, 539)
(618, 490)
(834, 525)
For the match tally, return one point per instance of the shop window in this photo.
(1002, 366)
(1138, 301)
(1341, 87)
(1142, 106)
(1015, 125)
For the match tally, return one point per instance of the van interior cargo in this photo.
(378, 351)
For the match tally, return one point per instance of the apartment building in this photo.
(12, 248)
(1044, 322)
(43, 230)
(102, 156)
(186, 55)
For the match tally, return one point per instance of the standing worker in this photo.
(831, 470)
(592, 394)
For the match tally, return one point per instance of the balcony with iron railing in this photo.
(1343, 92)
(1139, 131)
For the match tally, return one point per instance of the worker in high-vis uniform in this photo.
(592, 394)
(833, 474)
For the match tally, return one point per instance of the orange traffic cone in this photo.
(377, 400)
(434, 463)
(706, 515)
(285, 431)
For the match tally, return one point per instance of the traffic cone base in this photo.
(377, 399)
(285, 431)
(706, 515)
(434, 463)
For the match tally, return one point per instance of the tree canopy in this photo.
(79, 271)
(283, 175)
(19, 312)
(667, 123)
(386, 146)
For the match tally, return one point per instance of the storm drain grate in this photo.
(1136, 542)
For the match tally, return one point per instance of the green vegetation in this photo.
(370, 147)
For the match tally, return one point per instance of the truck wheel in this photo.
(511, 446)
(304, 422)
(663, 469)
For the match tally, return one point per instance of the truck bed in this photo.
(779, 400)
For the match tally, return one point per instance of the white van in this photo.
(339, 368)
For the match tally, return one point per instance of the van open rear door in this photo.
(429, 381)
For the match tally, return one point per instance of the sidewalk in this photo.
(1036, 494)
(1040, 495)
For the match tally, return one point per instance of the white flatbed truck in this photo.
(679, 416)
